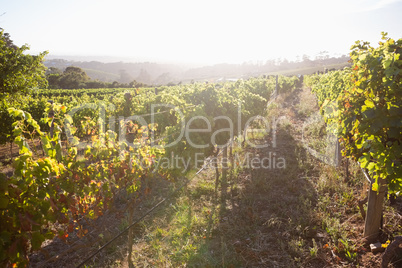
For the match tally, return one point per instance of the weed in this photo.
(333, 227)
(348, 249)
(286, 124)
(314, 249)
(296, 246)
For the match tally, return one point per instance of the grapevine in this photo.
(364, 103)
(62, 187)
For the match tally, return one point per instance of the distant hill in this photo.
(101, 75)
(159, 74)
(145, 72)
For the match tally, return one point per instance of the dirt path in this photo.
(302, 215)
(269, 220)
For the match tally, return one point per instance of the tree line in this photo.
(75, 77)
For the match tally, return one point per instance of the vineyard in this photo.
(233, 160)
(99, 146)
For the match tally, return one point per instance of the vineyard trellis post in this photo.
(130, 233)
(51, 115)
(338, 155)
(372, 224)
(225, 164)
(217, 175)
(231, 171)
(276, 86)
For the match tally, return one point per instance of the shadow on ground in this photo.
(268, 218)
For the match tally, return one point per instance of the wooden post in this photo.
(225, 164)
(41, 146)
(130, 233)
(231, 177)
(276, 86)
(374, 211)
(127, 104)
(338, 155)
(51, 129)
(51, 114)
(215, 163)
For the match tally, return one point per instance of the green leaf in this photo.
(362, 57)
(371, 166)
(5, 237)
(3, 202)
(369, 113)
(369, 103)
(394, 132)
(364, 160)
(68, 119)
(395, 111)
(52, 153)
(392, 71)
(37, 240)
(387, 63)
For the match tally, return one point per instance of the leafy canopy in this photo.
(365, 104)
(19, 72)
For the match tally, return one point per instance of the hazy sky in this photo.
(198, 31)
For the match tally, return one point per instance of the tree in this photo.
(163, 79)
(19, 72)
(53, 70)
(53, 75)
(125, 77)
(136, 84)
(144, 77)
(95, 84)
(73, 77)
